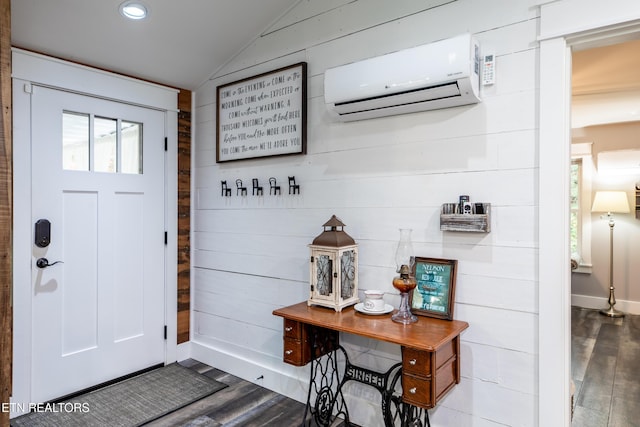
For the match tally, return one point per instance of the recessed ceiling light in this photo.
(134, 10)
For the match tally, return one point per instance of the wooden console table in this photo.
(429, 368)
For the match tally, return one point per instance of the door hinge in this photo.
(166, 238)
(165, 332)
(166, 144)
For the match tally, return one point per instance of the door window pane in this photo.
(131, 147)
(105, 144)
(75, 141)
(101, 144)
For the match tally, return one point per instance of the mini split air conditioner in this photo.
(442, 74)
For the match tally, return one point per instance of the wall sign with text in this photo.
(434, 294)
(264, 115)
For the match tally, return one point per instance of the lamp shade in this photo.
(610, 201)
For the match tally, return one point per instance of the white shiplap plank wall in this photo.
(250, 253)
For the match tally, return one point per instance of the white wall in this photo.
(250, 253)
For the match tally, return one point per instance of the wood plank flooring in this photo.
(605, 368)
(241, 404)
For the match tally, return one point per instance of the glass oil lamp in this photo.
(405, 282)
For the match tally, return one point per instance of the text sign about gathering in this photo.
(263, 115)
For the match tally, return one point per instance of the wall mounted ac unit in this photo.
(442, 74)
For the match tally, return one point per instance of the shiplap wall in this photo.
(251, 255)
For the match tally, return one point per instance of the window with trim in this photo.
(580, 206)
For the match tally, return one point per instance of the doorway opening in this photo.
(98, 184)
(605, 124)
(121, 165)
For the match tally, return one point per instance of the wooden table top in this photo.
(426, 334)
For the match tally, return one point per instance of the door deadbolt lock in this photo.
(42, 233)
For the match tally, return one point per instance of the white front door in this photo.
(98, 180)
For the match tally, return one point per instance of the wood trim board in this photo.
(6, 210)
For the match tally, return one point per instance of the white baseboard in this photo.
(586, 301)
(281, 379)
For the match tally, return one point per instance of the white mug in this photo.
(373, 300)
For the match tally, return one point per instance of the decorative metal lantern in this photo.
(334, 267)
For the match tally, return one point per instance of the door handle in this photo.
(44, 263)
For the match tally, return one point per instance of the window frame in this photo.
(100, 149)
(581, 154)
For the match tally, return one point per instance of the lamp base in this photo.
(404, 315)
(611, 312)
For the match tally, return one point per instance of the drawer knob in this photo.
(288, 352)
(413, 390)
(413, 362)
(288, 329)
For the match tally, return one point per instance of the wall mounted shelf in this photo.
(474, 222)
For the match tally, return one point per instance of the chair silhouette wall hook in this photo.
(239, 188)
(273, 187)
(293, 187)
(257, 189)
(226, 191)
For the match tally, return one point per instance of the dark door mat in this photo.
(129, 403)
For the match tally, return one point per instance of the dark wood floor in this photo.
(605, 367)
(242, 403)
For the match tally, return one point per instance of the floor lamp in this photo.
(610, 202)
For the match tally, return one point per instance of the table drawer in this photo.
(302, 343)
(292, 329)
(417, 391)
(422, 363)
(426, 391)
(416, 362)
(296, 352)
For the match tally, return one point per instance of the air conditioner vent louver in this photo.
(415, 96)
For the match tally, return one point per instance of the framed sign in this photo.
(264, 115)
(434, 293)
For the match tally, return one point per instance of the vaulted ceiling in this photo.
(184, 42)
(181, 44)
(606, 84)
